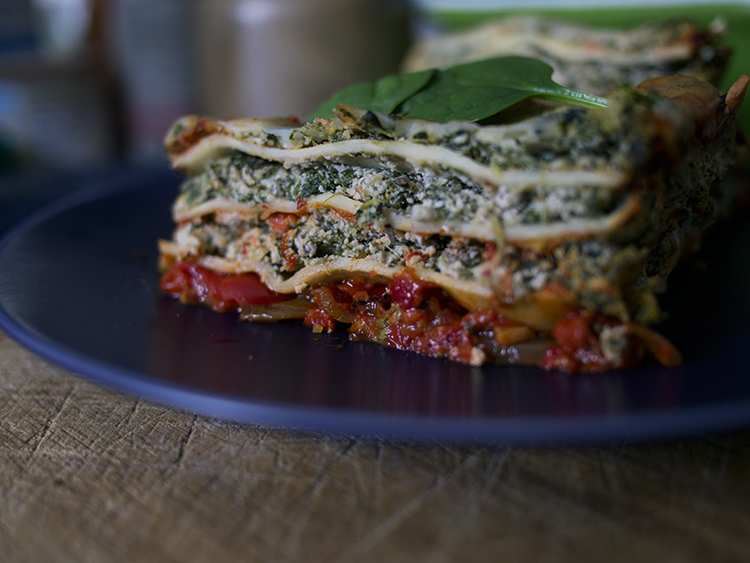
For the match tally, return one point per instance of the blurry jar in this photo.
(63, 26)
(260, 58)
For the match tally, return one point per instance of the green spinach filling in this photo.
(421, 194)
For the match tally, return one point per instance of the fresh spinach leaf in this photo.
(383, 95)
(466, 92)
(474, 91)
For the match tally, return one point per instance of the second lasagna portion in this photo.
(590, 59)
(457, 239)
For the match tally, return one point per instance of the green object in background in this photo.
(735, 14)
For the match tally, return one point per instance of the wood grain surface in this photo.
(87, 474)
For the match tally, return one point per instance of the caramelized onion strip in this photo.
(323, 297)
(292, 309)
(511, 334)
(659, 347)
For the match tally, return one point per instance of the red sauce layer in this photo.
(193, 283)
(412, 314)
(578, 347)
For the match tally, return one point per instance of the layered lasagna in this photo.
(543, 240)
(589, 59)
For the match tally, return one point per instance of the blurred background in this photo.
(89, 88)
(83, 82)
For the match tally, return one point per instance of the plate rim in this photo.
(527, 430)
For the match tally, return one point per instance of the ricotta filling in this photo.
(419, 200)
(473, 271)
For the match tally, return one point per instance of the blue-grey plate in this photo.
(78, 286)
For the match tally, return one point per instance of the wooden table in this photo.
(87, 474)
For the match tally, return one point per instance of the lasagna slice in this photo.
(584, 58)
(540, 241)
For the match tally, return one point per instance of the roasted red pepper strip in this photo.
(193, 283)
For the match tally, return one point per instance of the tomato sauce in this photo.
(186, 139)
(408, 314)
(421, 317)
(291, 260)
(320, 321)
(280, 222)
(578, 347)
